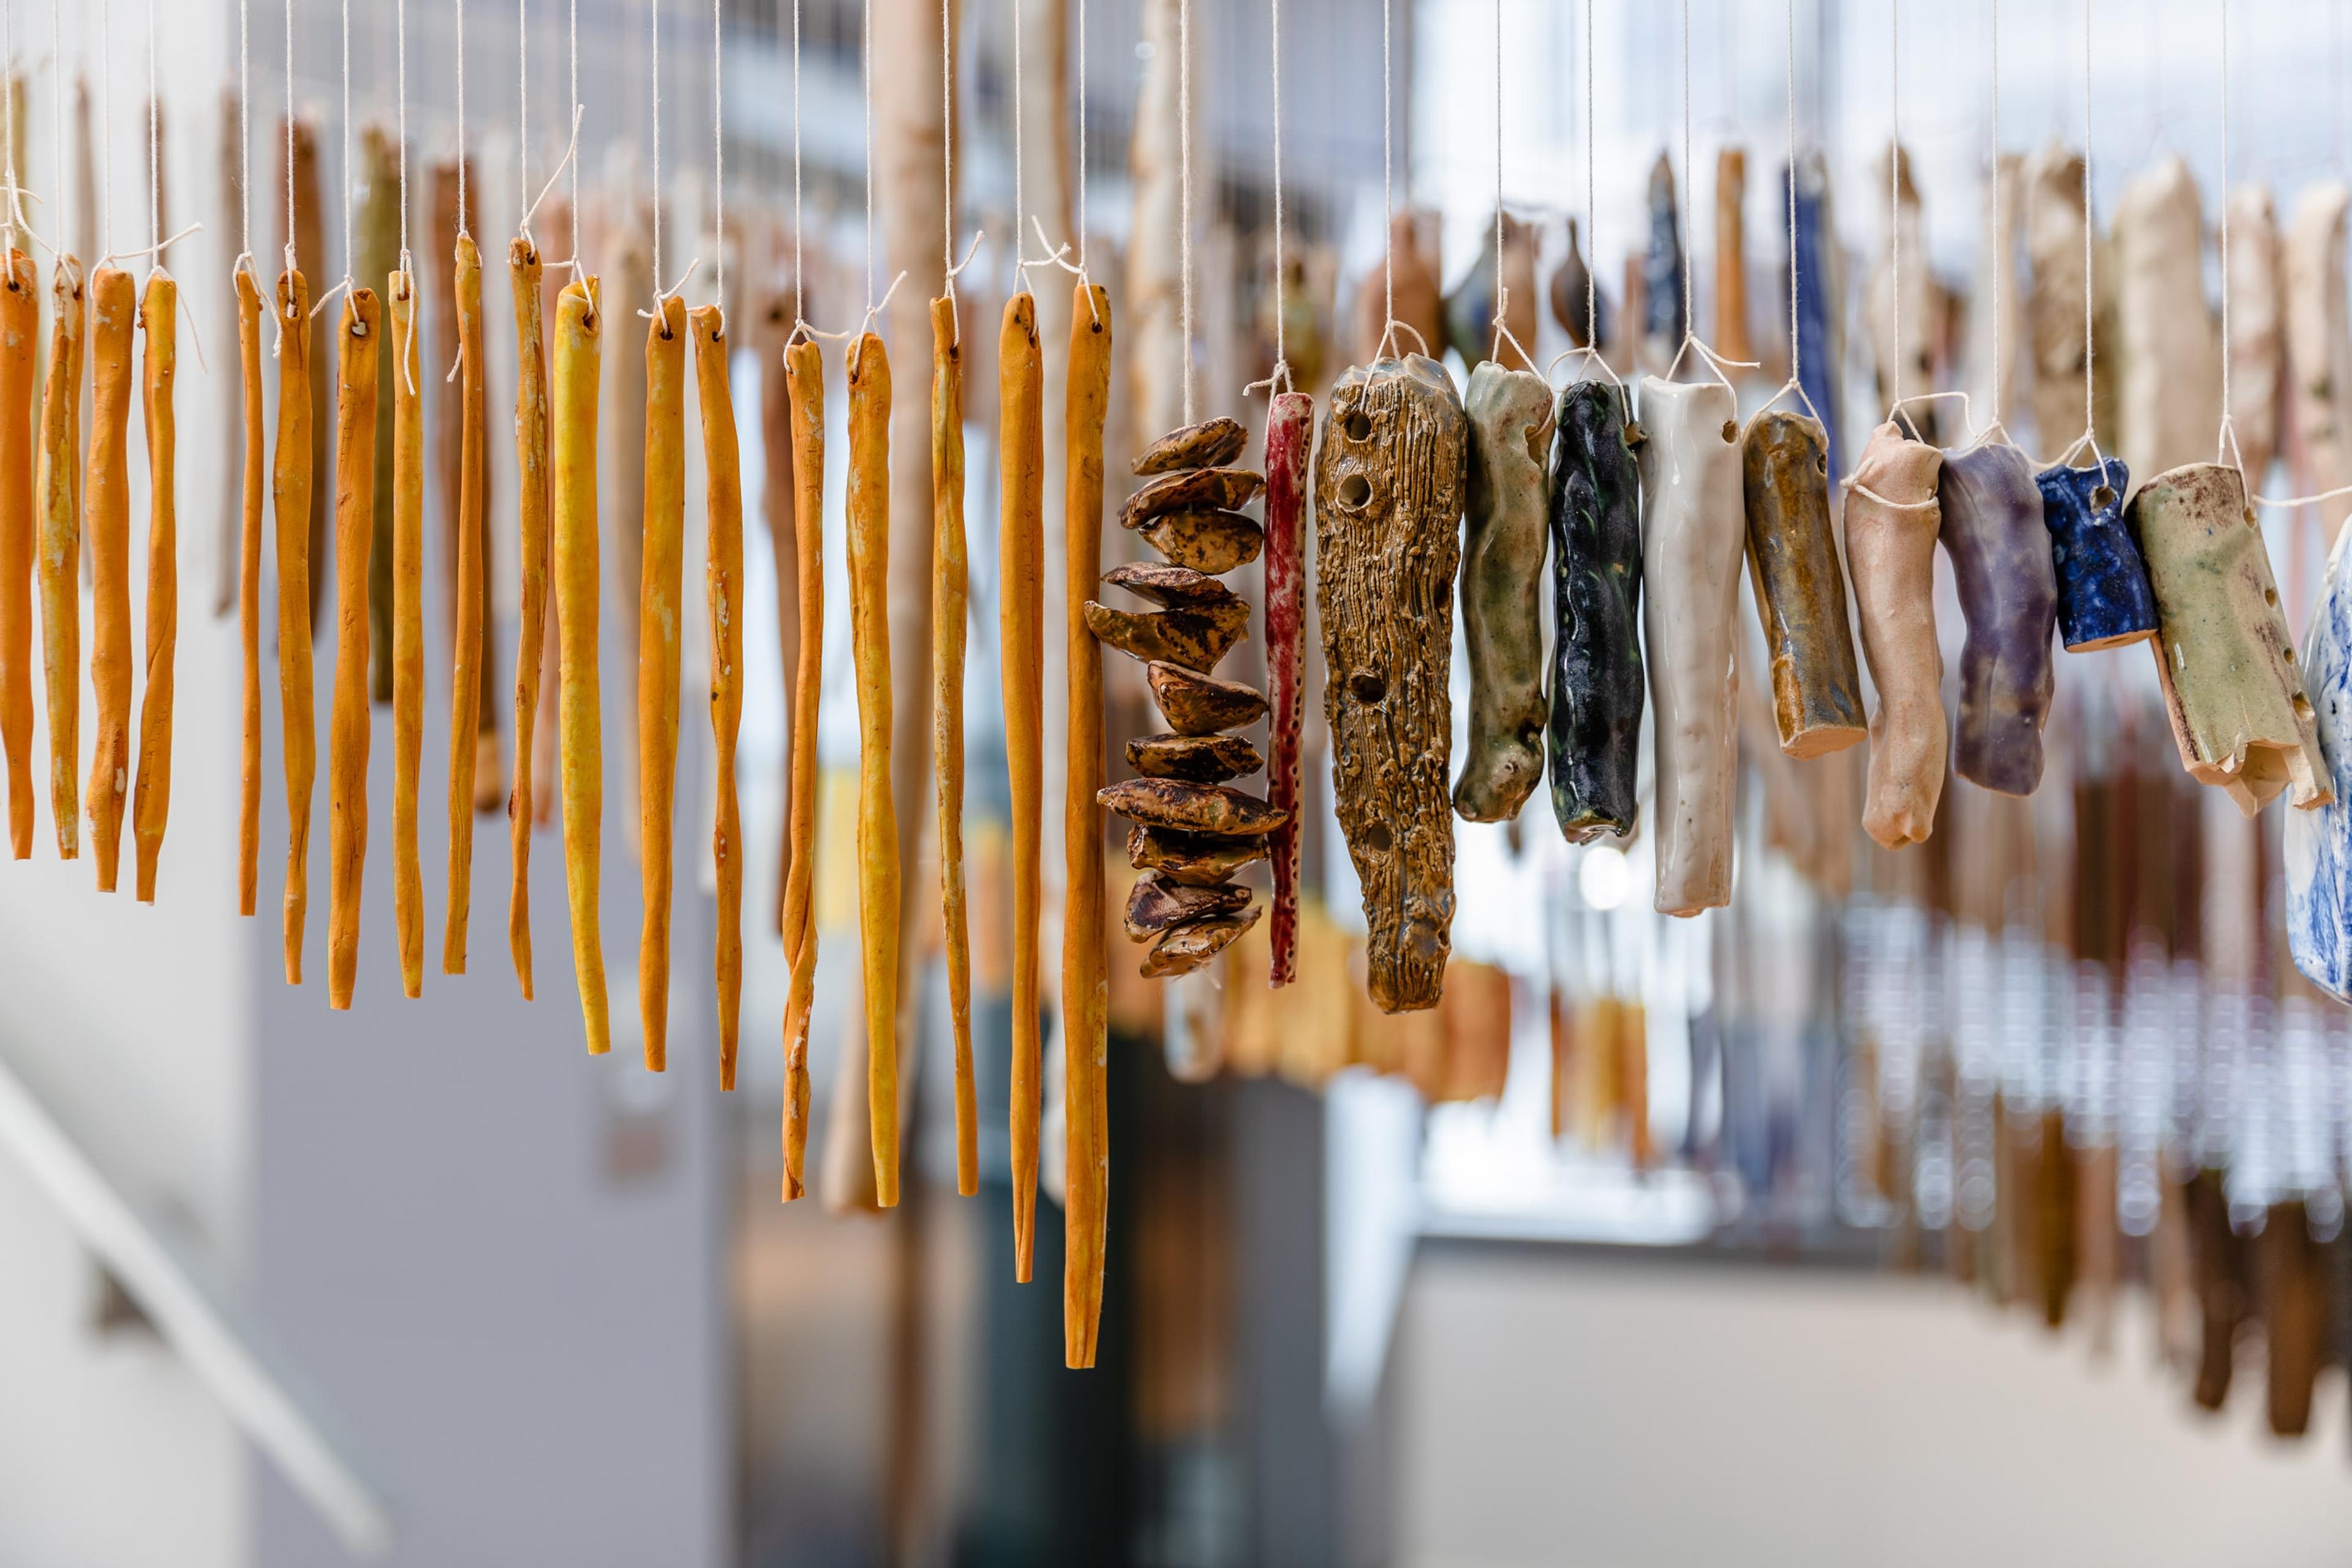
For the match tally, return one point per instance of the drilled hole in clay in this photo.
(2102, 498)
(1377, 840)
(1355, 490)
(1359, 425)
(2270, 595)
(1367, 688)
(2302, 707)
(1730, 431)
(1821, 463)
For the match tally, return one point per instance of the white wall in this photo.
(1653, 1414)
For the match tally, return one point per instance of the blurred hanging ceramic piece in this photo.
(1731, 255)
(1892, 517)
(1922, 308)
(1792, 562)
(2236, 701)
(1996, 315)
(1289, 441)
(2319, 345)
(1596, 676)
(1411, 280)
(2103, 599)
(1693, 536)
(1570, 281)
(2167, 338)
(2053, 299)
(1820, 287)
(1470, 310)
(1510, 416)
(1993, 534)
(1301, 334)
(1389, 482)
(2257, 329)
(1663, 321)
(2318, 844)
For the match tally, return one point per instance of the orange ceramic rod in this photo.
(360, 331)
(805, 391)
(465, 729)
(950, 577)
(20, 330)
(151, 792)
(59, 554)
(877, 817)
(1021, 566)
(290, 506)
(531, 523)
(407, 627)
(248, 589)
(572, 426)
(723, 581)
(106, 521)
(659, 587)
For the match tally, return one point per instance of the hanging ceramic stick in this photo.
(407, 626)
(2103, 599)
(360, 331)
(877, 825)
(1892, 517)
(470, 738)
(571, 497)
(1792, 561)
(1510, 420)
(1993, 534)
(1021, 555)
(1597, 689)
(151, 794)
(804, 388)
(1665, 325)
(59, 547)
(723, 588)
(1289, 441)
(20, 328)
(951, 574)
(532, 527)
(1693, 536)
(106, 521)
(2257, 326)
(1388, 486)
(1731, 254)
(290, 493)
(2237, 703)
(2319, 343)
(661, 583)
(255, 485)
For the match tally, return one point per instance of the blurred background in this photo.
(1983, 1203)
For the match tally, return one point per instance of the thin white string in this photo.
(58, 95)
(1893, 195)
(1081, 236)
(1388, 200)
(2089, 437)
(244, 135)
(7, 92)
(1019, 219)
(465, 223)
(400, 55)
(718, 159)
(106, 132)
(1184, 179)
(579, 270)
(522, 106)
(1058, 255)
(290, 257)
(946, 172)
(348, 207)
(1591, 352)
(1999, 253)
(1278, 379)
(1796, 381)
(154, 153)
(2225, 438)
(799, 314)
(1715, 362)
(653, 17)
(866, 88)
(1502, 334)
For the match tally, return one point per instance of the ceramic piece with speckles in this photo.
(2318, 843)
(2103, 599)
(1596, 690)
(1792, 562)
(1993, 532)
(1502, 592)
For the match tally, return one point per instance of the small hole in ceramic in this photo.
(1367, 688)
(2270, 595)
(1357, 425)
(1355, 490)
(1377, 840)
(2102, 498)
(1730, 431)
(1821, 463)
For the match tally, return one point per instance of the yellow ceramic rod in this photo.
(465, 676)
(661, 583)
(531, 523)
(950, 578)
(290, 506)
(106, 520)
(723, 579)
(878, 819)
(59, 558)
(571, 423)
(1021, 556)
(804, 389)
(248, 589)
(407, 627)
(20, 332)
(151, 792)
(360, 331)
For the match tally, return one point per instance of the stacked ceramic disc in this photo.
(1193, 830)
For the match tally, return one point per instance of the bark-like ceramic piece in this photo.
(1502, 592)
(1891, 521)
(1156, 904)
(1289, 441)
(1195, 639)
(1189, 807)
(2238, 711)
(1597, 691)
(2053, 299)
(1792, 562)
(1204, 759)
(1187, 947)
(1196, 859)
(1209, 541)
(1210, 444)
(2103, 599)
(1190, 489)
(1999, 550)
(1731, 255)
(1693, 538)
(1197, 704)
(1173, 588)
(1389, 482)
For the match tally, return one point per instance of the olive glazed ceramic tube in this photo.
(1594, 740)
(2238, 713)
(2103, 599)
(1891, 520)
(1692, 544)
(1502, 591)
(1993, 529)
(1792, 562)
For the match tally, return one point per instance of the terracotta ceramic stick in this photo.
(1388, 485)
(2237, 703)
(572, 499)
(1693, 534)
(2103, 599)
(1510, 415)
(106, 523)
(248, 586)
(877, 825)
(804, 385)
(533, 525)
(20, 327)
(1992, 530)
(408, 384)
(1597, 688)
(469, 649)
(289, 494)
(58, 547)
(951, 572)
(1289, 442)
(1792, 562)
(1086, 966)
(151, 792)
(1730, 255)
(723, 588)
(361, 332)
(660, 585)
(1020, 574)
(1891, 521)
(2319, 342)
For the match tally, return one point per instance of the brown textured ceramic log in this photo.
(359, 332)
(1891, 522)
(255, 484)
(1195, 859)
(1510, 414)
(106, 523)
(1020, 572)
(2236, 699)
(1289, 442)
(1388, 502)
(951, 581)
(661, 581)
(877, 828)
(532, 527)
(1792, 564)
(573, 554)
(151, 792)
(20, 328)
(1210, 444)
(1085, 972)
(1203, 758)
(473, 741)
(58, 562)
(1210, 541)
(771, 340)
(805, 386)
(723, 589)
(291, 477)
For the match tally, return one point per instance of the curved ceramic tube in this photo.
(2238, 713)
(1800, 591)
(1891, 519)
(1502, 583)
(106, 523)
(1692, 540)
(2103, 599)
(1596, 591)
(1992, 530)
(151, 792)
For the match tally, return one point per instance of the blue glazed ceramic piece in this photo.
(2103, 599)
(2319, 841)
